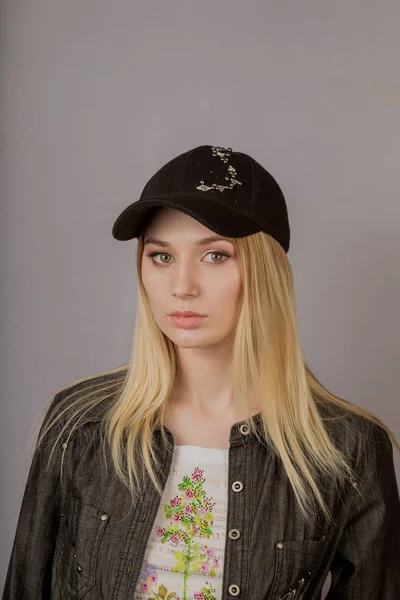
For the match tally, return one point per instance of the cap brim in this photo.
(220, 219)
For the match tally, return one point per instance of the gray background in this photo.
(97, 95)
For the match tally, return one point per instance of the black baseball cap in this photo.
(228, 192)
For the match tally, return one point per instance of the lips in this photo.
(185, 313)
(186, 322)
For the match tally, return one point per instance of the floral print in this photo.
(188, 524)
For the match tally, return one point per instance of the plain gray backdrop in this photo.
(97, 95)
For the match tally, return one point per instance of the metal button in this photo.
(355, 484)
(64, 445)
(79, 568)
(104, 517)
(234, 534)
(234, 590)
(244, 428)
(280, 544)
(237, 486)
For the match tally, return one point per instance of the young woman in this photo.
(214, 464)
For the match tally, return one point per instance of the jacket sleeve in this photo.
(366, 565)
(29, 570)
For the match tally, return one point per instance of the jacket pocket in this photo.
(296, 563)
(78, 540)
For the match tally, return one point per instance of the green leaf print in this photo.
(181, 562)
(162, 591)
(207, 592)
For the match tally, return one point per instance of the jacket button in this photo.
(280, 544)
(64, 445)
(237, 486)
(234, 590)
(234, 534)
(244, 428)
(104, 517)
(79, 568)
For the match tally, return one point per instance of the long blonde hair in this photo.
(267, 358)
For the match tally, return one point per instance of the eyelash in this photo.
(153, 254)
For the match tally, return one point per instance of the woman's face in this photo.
(189, 275)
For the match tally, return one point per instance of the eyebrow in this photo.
(202, 242)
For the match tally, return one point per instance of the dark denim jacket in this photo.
(83, 538)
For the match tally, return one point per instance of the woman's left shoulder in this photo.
(354, 434)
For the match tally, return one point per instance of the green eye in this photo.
(218, 253)
(158, 254)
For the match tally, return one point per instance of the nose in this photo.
(184, 281)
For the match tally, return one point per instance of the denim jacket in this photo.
(82, 537)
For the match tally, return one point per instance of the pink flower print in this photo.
(210, 552)
(189, 494)
(153, 578)
(175, 501)
(160, 531)
(177, 517)
(204, 567)
(216, 562)
(199, 596)
(202, 511)
(144, 587)
(197, 474)
(188, 509)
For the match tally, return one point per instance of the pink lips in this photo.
(186, 322)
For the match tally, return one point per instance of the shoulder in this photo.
(85, 400)
(358, 437)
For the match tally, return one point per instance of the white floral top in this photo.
(185, 551)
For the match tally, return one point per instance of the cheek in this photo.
(153, 288)
(151, 281)
(226, 294)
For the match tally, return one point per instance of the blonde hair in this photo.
(267, 358)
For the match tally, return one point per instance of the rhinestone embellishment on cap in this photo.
(224, 154)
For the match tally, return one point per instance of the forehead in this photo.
(197, 242)
(167, 226)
